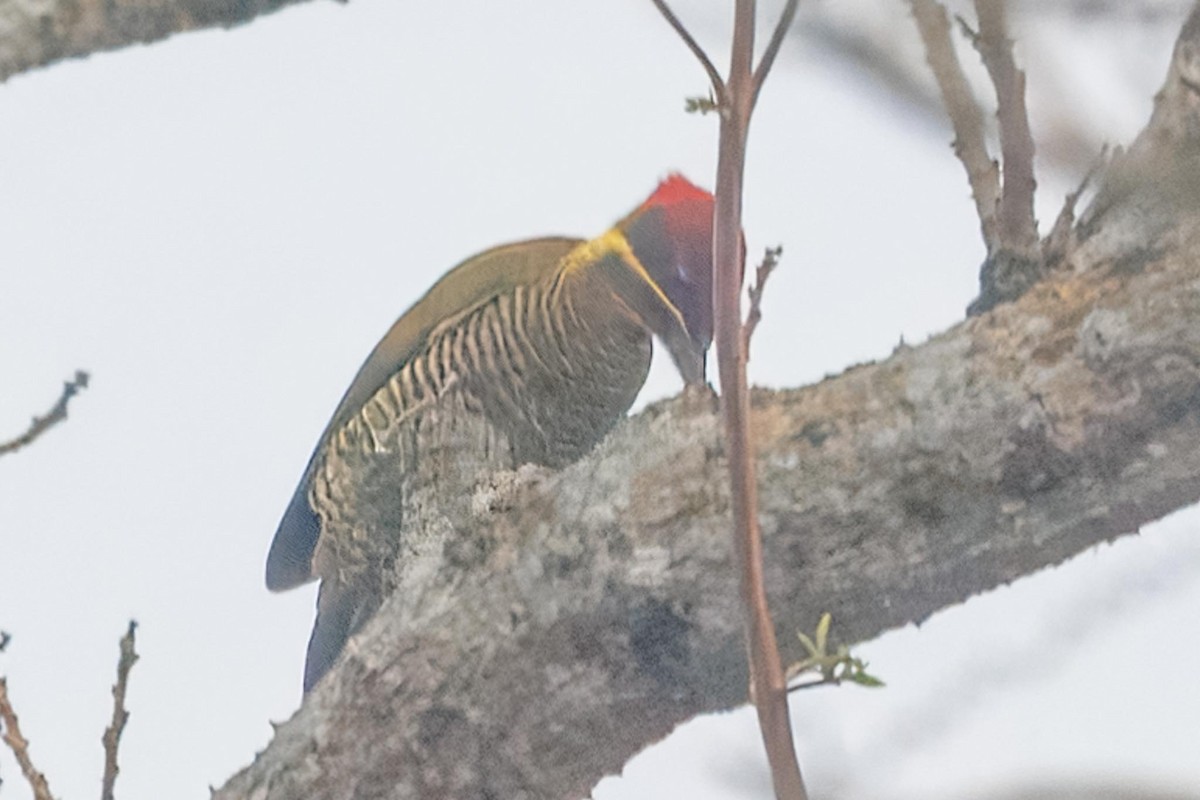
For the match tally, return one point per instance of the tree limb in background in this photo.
(736, 99)
(34, 34)
(112, 734)
(966, 116)
(20, 746)
(54, 416)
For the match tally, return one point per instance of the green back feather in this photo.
(464, 288)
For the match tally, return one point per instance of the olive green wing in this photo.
(467, 286)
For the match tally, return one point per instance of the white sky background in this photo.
(220, 227)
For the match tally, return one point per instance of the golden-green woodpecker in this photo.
(547, 340)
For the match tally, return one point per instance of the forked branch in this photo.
(1015, 258)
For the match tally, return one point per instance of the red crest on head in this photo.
(676, 189)
(671, 234)
(686, 207)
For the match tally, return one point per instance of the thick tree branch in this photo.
(572, 618)
(35, 33)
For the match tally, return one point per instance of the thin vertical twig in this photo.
(112, 734)
(768, 686)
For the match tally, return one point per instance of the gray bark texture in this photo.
(551, 624)
(34, 33)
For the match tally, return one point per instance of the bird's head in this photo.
(671, 235)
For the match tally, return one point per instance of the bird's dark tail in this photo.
(341, 611)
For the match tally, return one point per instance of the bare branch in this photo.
(714, 77)
(768, 56)
(1017, 226)
(20, 746)
(54, 416)
(37, 34)
(765, 268)
(112, 734)
(736, 97)
(965, 114)
(768, 685)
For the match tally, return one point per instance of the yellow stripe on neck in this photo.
(614, 243)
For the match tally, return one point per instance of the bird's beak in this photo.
(689, 359)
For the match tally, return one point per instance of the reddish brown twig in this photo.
(754, 316)
(966, 116)
(20, 746)
(112, 734)
(54, 416)
(768, 687)
(1017, 225)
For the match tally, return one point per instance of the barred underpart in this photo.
(539, 375)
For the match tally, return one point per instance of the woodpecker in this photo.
(547, 341)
